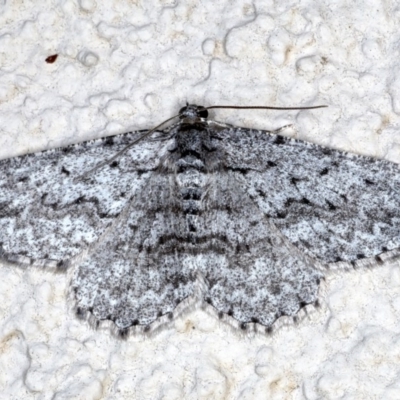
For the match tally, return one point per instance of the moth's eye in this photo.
(202, 113)
(181, 111)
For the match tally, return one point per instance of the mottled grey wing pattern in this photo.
(235, 260)
(334, 206)
(142, 271)
(48, 214)
(258, 275)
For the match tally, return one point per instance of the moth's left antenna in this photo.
(110, 160)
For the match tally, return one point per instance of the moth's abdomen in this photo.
(191, 185)
(191, 182)
(191, 200)
(191, 170)
(191, 177)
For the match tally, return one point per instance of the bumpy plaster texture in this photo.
(125, 66)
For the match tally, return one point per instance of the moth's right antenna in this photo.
(266, 107)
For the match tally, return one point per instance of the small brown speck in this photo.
(51, 59)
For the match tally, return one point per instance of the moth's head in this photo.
(193, 112)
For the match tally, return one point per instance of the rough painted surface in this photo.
(122, 66)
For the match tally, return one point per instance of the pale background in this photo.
(130, 65)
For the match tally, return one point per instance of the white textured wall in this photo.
(131, 64)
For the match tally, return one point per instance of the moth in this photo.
(244, 222)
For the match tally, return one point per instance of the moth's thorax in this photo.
(193, 147)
